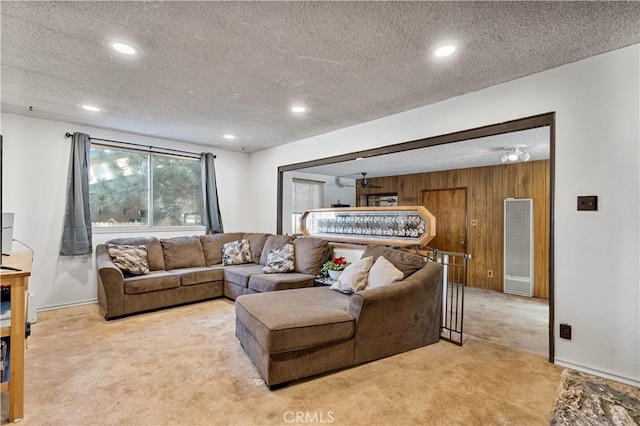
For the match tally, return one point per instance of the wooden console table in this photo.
(19, 283)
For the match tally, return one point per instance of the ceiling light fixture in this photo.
(229, 136)
(298, 109)
(514, 153)
(446, 50)
(124, 48)
(91, 108)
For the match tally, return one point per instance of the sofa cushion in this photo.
(280, 260)
(354, 276)
(199, 275)
(236, 253)
(155, 257)
(182, 252)
(131, 259)
(406, 262)
(272, 282)
(156, 280)
(212, 245)
(239, 274)
(311, 253)
(256, 243)
(383, 273)
(296, 319)
(273, 241)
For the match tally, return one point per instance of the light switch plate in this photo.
(588, 202)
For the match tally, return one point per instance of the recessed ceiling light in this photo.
(124, 48)
(298, 109)
(228, 136)
(443, 51)
(91, 108)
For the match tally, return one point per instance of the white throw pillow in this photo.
(383, 273)
(354, 276)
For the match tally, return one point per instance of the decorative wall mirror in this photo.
(393, 226)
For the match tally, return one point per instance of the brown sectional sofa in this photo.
(189, 269)
(288, 335)
(300, 333)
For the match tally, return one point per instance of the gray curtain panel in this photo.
(213, 218)
(76, 234)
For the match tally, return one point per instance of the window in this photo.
(129, 188)
(307, 194)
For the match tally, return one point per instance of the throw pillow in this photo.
(131, 259)
(408, 263)
(273, 241)
(354, 276)
(236, 253)
(280, 260)
(383, 273)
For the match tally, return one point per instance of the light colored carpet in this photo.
(507, 319)
(183, 366)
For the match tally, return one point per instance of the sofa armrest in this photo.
(110, 284)
(398, 317)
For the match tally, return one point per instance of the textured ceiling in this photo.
(479, 152)
(210, 68)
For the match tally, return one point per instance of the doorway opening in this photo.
(424, 149)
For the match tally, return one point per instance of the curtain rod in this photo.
(150, 147)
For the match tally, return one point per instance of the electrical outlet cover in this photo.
(565, 331)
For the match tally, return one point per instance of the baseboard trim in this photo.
(66, 305)
(599, 373)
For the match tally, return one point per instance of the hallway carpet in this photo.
(507, 319)
(183, 366)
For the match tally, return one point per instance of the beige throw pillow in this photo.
(354, 276)
(383, 273)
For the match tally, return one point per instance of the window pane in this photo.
(118, 187)
(177, 191)
(307, 195)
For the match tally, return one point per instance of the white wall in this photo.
(597, 153)
(35, 166)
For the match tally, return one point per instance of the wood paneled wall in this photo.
(487, 187)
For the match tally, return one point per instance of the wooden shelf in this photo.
(19, 283)
(4, 387)
(5, 331)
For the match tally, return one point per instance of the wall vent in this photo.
(518, 246)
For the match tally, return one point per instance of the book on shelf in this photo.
(5, 313)
(4, 359)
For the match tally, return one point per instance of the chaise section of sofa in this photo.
(297, 333)
(304, 332)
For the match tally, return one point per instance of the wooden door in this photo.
(449, 206)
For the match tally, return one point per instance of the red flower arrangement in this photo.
(336, 264)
